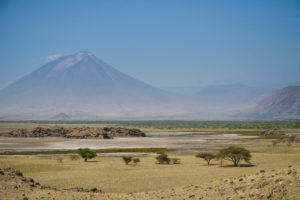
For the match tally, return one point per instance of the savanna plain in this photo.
(27, 172)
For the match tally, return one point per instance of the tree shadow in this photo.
(241, 165)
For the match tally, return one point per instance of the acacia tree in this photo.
(235, 155)
(206, 156)
(163, 158)
(127, 159)
(87, 153)
(290, 140)
(136, 161)
(286, 139)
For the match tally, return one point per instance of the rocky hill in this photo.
(283, 103)
(273, 184)
(13, 185)
(85, 132)
(61, 116)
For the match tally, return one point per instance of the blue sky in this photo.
(163, 43)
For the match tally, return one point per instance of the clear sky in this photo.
(163, 43)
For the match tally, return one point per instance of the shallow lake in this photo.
(183, 141)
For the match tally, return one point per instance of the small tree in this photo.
(74, 157)
(59, 160)
(274, 143)
(162, 158)
(136, 161)
(175, 160)
(286, 139)
(206, 156)
(235, 155)
(87, 153)
(290, 140)
(127, 159)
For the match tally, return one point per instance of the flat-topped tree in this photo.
(206, 156)
(87, 153)
(235, 155)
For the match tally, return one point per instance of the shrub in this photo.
(175, 160)
(127, 159)
(289, 139)
(136, 161)
(235, 155)
(163, 158)
(74, 157)
(87, 153)
(18, 173)
(206, 156)
(59, 160)
(274, 143)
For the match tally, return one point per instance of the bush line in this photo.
(127, 150)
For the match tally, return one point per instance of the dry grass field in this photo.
(272, 184)
(110, 174)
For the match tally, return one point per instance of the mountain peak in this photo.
(71, 60)
(83, 53)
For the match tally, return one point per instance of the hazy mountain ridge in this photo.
(225, 94)
(231, 94)
(81, 86)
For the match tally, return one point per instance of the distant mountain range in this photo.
(81, 86)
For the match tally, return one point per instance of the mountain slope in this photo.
(82, 83)
(230, 94)
(283, 103)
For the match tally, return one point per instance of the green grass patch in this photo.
(273, 136)
(128, 150)
(245, 132)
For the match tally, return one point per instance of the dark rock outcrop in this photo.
(38, 132)
(84, 132)
(271, 132)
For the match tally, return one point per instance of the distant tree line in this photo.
(170, 124)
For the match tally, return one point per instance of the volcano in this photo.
(83, 85)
